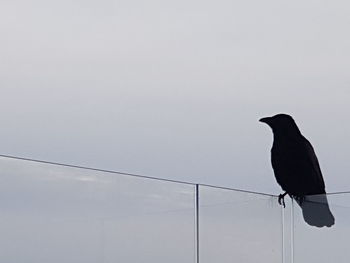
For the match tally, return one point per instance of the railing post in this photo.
(197, 222)
(288, 231)
(292, 232)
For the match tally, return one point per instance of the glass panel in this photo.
(237, 226)
(321, 230)
(51, 213)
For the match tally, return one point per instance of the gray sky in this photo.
(174, 89)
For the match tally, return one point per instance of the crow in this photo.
(293, 159)
(297, 170)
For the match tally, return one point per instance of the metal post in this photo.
(197, 221)
(292, 231)
(283, 236)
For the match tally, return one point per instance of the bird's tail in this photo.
(316, 211)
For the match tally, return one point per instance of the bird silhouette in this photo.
(297, 169)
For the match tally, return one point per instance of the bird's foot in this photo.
(281, 199)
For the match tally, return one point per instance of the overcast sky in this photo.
(174, 89)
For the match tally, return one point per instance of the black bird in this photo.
(294, 162)
(293, 159)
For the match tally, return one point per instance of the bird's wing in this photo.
(316, 173)
(297, 169)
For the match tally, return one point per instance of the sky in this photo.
(174, 89)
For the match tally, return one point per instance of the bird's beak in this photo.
(266, 120)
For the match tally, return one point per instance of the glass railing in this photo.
(58, 213)
(238, 226)
(52, 213)
(321, 226)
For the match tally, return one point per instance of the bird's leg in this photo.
(281, 199)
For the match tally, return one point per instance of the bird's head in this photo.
(281, 123)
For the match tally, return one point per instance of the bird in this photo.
(298, 171)
(293, 159)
